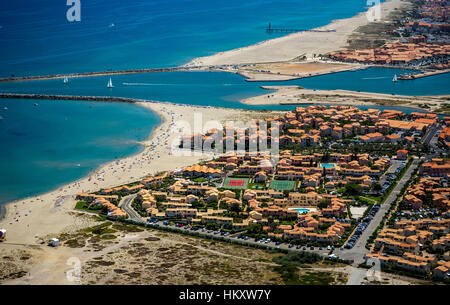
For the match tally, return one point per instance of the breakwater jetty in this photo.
(423, 74)
(94, 74)
(73, 98)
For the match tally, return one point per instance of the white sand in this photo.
(293, 95)
(296, 44)
(39, 215)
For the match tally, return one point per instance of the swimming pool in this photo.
(299, 210)
(326, 165)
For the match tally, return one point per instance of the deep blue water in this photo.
(146, 33)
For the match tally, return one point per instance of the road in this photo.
(358, 251)
(430, 134)
(125, 204)
(395, 164)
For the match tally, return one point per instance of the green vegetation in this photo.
(289, 269)
(282, 185)
(85, 206)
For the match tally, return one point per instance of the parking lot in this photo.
(246, 240)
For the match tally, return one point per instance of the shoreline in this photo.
(38, 215)
(3, 207)
(293, 95)
(289, 47)
(331, 37)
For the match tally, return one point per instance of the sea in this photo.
(46, 146)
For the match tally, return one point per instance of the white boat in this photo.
(110, 85)
(395, 78)
(6, 108)
(66, 80)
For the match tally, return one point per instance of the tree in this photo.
(322, 205)
(376, 186)
(352, 189)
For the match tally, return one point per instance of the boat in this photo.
(395, 78)
(66, 80)
(6, 108)
(110, 85)
(36, 104)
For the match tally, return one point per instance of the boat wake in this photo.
(147, 84)
(379, 77)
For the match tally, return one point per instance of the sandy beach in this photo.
(297, 44)
(293, 95)
(28, 220)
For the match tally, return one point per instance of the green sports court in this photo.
(282, 185)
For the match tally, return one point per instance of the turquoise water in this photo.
(323, 165)
(225, 89)
(300, 211)
(52, 144)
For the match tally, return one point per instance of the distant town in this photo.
(423, 41)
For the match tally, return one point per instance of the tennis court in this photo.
(236, 183)
(282, 185)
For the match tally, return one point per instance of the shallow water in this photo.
(54, 143)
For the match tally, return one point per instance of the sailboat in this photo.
(395, 78)
(110, 85)
(66, 80)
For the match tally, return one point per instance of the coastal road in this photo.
(125, 204)
(249, 242)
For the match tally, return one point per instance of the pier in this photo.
(423, 74)
(270, 29)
